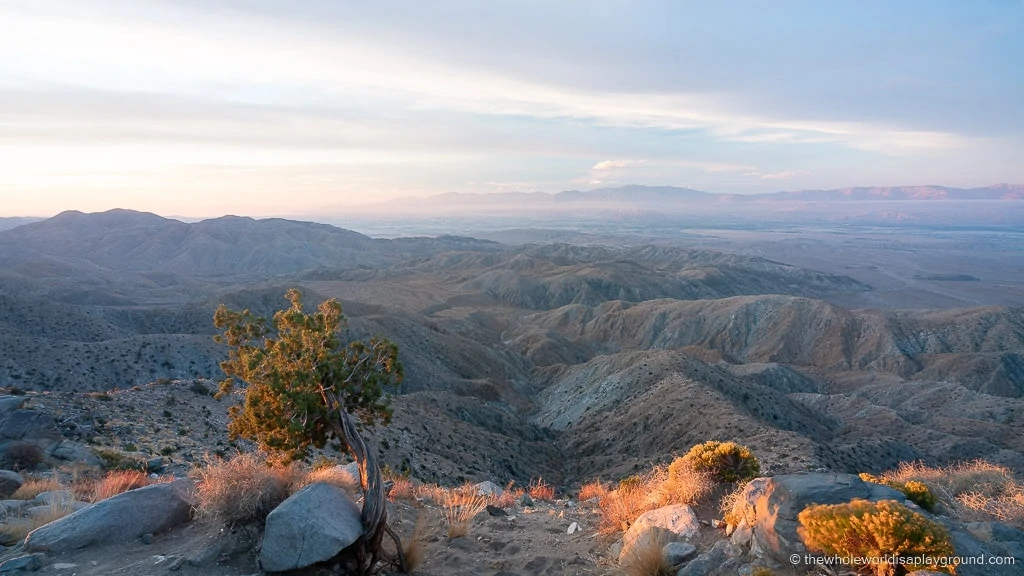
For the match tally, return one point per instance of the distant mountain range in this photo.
(635, 193)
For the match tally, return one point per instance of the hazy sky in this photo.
(205, 107)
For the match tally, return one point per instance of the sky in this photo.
(259, 107)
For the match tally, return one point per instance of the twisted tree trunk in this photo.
(374, 514)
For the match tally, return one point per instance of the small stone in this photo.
(573, 528)
(715, 523)
(176, 564)
(147, 538)
(495, 511)
(677, 552)
(526, 500)
(64, 566)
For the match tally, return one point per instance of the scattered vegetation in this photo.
(509, 495)
(34, 487)
(970, 491)
(416, 548)
(726, 461)
(875, 530)
(591, 490)
(915, 491)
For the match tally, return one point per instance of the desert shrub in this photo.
(33, 487)
(861, 529)
(201, 389)
(973, 491)
(22, 456)
(591, 490)
(725, 461)
(540, 490)
(620, 507)
(459, 506)
(646, 558)
(117, 482)
(243, 489)
(683, 484)
(117, 460)
(915, 491)
(728, 504)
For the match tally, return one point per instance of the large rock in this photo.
(28, 424)
(667, 524)
(124, 517)
(488, 488)
(769, 506)
(9, 483)
(313, 525)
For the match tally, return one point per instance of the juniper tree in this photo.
(304, 385)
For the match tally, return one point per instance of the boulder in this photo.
(121, 518)
(312, 525)
(676, 553)
(28, 563)
(9, 482)
(769, 507)
(668, 524)
(9, 404)
(75, 452)
(722, 558)
(488, 488)
(32, 424)
(55, 497)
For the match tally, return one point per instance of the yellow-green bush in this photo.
(726, 461)
(916, 492)
(887, 533)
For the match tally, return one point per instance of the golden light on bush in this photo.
(725, 461)
(886, 535)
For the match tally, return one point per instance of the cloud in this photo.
(785, 175)
(618, 164)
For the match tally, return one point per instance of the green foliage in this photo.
(915, 491)
(299, 374)
(726, 461)
(887, 532)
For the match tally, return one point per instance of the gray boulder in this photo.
(124, 517)
(722, 558)
(28, 563)
(676, 553)
(32, 424)
(9, 404)
(9, 482)
(312, 525)
(769, 507)
(488, 488)
(666, 524)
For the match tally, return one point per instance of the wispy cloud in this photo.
(785, 175)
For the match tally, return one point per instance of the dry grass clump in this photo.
(459, 506)
(415, 548)
(336, 475)
(678, 483)
(401, 489)
(244, 489)
(646, 558)
(15, 530)
(34, 487)
(509, 495)
(594, 489)
(541, 490)
(971, 491)
(117, 482)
